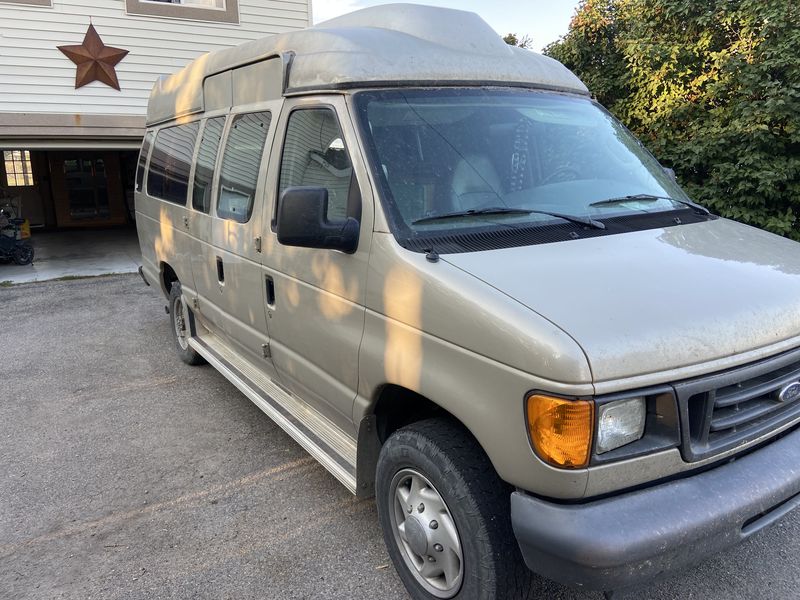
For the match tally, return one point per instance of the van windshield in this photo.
(455, 159)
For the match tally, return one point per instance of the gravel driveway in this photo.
(127, 474)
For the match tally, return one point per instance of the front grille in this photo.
(730, 409)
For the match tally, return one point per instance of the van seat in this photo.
(476, 183)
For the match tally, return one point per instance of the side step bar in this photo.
(322, 439)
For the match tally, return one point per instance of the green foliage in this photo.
(591, 50)
(713, 89)
(521, 42)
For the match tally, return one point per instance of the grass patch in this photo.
(6, 283)
(71, 277)
(75, 277)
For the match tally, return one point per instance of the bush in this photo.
(712, 87)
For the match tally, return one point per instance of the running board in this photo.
(321, 438)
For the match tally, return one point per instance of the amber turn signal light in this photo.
(561, 430)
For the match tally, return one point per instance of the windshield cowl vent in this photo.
(495, 237)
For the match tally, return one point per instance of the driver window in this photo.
(314, 155)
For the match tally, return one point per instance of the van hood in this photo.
(656, 300)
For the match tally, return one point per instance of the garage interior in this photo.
(79, 204)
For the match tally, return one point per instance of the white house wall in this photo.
(35, 77)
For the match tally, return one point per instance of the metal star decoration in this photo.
(95, 60)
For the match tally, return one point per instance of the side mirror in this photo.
(303, 221)
(671, 173)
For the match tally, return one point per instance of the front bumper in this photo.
(623, 541)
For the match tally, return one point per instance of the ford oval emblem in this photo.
(790, 393)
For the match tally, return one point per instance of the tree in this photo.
(521, 42)
(591, 49)
(713, 89)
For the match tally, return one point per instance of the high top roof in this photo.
(383, 45)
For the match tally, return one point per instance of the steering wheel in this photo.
(561, 174)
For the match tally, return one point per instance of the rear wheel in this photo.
(23, 254)
(445, 516)
(180, 329)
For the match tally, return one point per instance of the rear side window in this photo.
(148, 141)
(206, 159)
(314, 155)
(240, 164)
(168, 177)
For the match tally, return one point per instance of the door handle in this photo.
(270, 291)
(220, 270)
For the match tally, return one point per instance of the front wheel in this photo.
(445, 516)
(23, 254)
(180, 329)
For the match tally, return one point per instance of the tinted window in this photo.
(148, 141)
(168, 177)
(240, 166)
(314, 155)
(206, 159)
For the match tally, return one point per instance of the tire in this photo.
(180, 332)
(447, 464)
(23, 254)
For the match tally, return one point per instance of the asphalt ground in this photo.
(126, 474)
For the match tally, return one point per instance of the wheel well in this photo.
(397, 407)
(168, 277)
(394, 407)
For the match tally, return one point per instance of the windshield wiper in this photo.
(650, 198)
(500, 210)
(492, 210)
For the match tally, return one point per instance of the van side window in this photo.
(240, 166)
(143, 153)
(168, 177)
(206, 159)
(314, 155)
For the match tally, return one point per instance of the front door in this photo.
(87, 189)
(315, 298)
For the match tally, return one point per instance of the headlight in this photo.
(561, 430)
(573, 433)
(620, 423)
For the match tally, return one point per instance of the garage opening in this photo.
(79, 207)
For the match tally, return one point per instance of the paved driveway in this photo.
(126, 474)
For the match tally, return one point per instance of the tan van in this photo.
(467, 290)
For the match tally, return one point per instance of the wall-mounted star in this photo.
(95, 60)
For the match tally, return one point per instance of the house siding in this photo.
(35, 77)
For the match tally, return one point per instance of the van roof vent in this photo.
(388, 45)
(447, 28)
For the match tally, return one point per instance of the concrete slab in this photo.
(83, 253)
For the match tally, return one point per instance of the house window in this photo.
(19, 171)
(203, 3)
(47, 3)
(222, 11)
